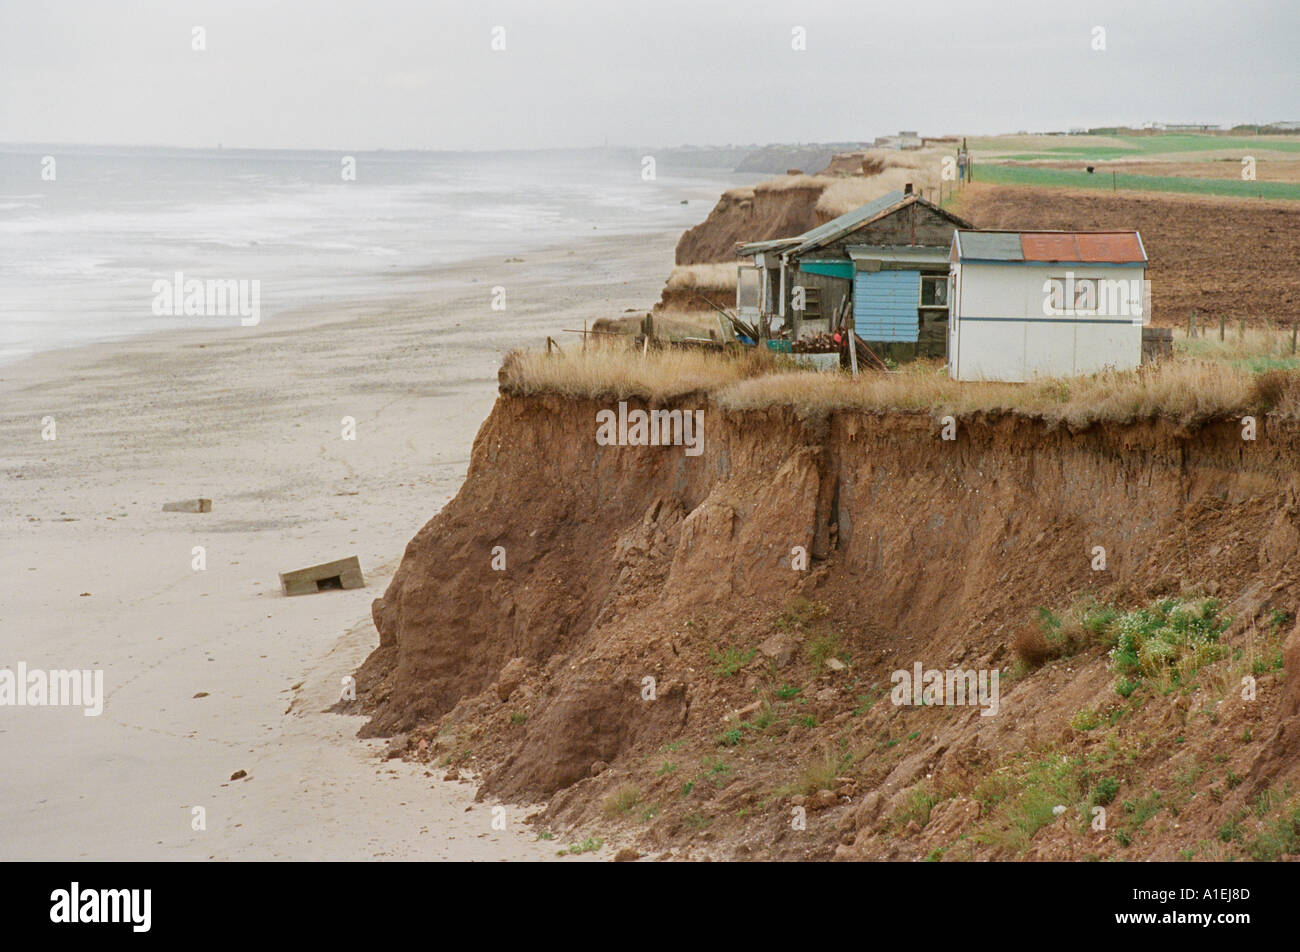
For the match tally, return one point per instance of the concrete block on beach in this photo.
(343, 573)
(188, 505)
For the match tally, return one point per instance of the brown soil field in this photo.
(1216, 256)
(1266, 169)
(651, 661)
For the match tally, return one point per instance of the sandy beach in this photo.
(98, 577)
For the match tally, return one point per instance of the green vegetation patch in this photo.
(1079, 178)
(1168, 641)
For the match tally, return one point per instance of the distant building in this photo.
(1045, 303)
(905, 139)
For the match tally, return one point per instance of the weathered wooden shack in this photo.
(885, 263)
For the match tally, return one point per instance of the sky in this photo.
(423, 74)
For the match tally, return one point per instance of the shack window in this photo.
(747, 288)
(934, 291)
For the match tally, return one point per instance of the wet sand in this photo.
(97, 576)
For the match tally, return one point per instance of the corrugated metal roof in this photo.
(898, 254)
(828, 232)
(754, 247)
(837, 228)
(1119, 247)
(990, 245)
(1084, 247)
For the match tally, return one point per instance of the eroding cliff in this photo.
(630, 633)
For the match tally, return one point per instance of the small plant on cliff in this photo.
(1020, 797)
(1103, 792)
(799, 613)
(1076, 629)
(1139, 810)
(916, 806)
(1278, 838)
(1168, 641)
(621, 801)
(823, 648)
(731, 738)
(730, 661)
(820, 774)
(589, 845)
(1085, 720)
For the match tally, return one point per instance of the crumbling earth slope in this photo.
(630, 635)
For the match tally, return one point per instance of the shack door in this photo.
(885, 305)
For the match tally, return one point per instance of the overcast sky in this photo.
(423, 74)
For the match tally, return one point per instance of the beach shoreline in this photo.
(210, 670)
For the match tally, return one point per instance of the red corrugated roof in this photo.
(1117, 247)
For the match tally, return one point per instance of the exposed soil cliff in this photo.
(771, 682)
(744, 214)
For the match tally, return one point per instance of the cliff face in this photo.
(623, 563)
(749, 215)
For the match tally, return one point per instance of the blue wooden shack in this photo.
(884, 265)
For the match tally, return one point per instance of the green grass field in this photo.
(1135, 147)
(1071, 178)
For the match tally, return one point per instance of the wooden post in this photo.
(584, 335)
(1293, 330)
(1191, 323)
(1223, 326)
(853, 351)
(1243, 328)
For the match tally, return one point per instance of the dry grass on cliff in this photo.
(1187, 391)
(786, 183)
(620, 371)
(668, 325)
(704, 277)
(846, 194)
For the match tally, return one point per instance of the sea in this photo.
(87, 232)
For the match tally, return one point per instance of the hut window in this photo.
(934, 291)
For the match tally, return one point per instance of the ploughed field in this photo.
(1216, 256)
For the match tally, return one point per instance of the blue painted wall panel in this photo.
(885, 303)
(831, 269)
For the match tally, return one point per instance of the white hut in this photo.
(1045, 303)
